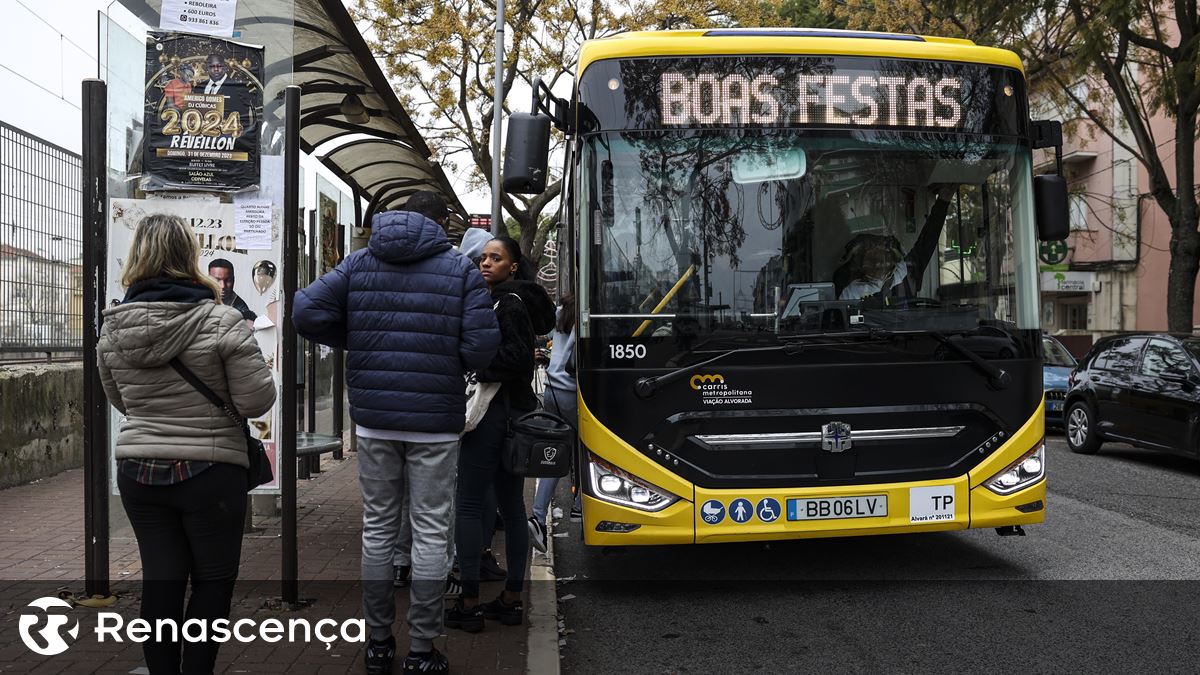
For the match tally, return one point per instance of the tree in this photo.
(1144, 53)
(440, 57)
(808, 14)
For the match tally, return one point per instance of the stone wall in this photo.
(41, 421)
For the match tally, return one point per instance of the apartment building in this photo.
(1111, 275)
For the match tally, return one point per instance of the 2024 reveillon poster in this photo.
(203, 112)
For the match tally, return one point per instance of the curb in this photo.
(542, 638)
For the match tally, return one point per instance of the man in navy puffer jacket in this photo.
(414, 316)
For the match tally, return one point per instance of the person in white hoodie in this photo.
(473, 242)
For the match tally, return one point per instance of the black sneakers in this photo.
(431, 661)
(402, 576)
(380, 655)
(498, 610)
(537, 533)
(489, 568)
(464, 618)
(576, 514)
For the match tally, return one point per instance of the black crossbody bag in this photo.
(537, 445)
(259, 471)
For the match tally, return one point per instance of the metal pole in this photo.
(497, 113)
(339, 356)
(95, 405)
(289, 564)
(311, 350)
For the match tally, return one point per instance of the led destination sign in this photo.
(865, 100)
(818, 92)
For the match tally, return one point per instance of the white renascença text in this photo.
(112, 626)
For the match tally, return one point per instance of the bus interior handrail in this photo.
(662, 304)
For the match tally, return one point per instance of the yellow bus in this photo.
(805, 266)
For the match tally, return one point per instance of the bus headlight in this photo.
(613, 485)
(1026, 471)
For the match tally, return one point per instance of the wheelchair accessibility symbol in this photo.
(768, 510)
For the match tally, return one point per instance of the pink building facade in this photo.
(1114, 274)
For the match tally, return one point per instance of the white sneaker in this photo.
(537, 534)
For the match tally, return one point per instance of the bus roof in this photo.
(800, 41)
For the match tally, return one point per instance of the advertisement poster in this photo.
(203, 110)
(329, 229)
(327, 213)
(249, 278)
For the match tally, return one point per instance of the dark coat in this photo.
(521, 321)
(413, 315)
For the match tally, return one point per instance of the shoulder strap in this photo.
(208, 393)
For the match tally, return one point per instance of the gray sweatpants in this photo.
(427, 473)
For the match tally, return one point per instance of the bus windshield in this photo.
(769, 231)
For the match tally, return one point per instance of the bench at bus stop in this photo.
(309, 448)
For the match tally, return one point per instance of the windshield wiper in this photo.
(794, 344)
(998, 378)
(646, 387)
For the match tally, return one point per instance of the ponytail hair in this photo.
(565, 322)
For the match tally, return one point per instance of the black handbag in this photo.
(259, 471)
(538, 444)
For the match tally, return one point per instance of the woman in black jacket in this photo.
(523, 310)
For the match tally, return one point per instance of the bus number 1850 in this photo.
(627, 351)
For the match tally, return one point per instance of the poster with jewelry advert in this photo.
(203, 112)
(242, 258)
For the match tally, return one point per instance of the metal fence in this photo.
(41, 270)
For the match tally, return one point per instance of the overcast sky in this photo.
(48, 48)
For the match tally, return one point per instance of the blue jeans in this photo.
(561, 402)
(478, 469)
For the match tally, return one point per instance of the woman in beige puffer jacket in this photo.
(181, 461)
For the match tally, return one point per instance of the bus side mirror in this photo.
(1050, 205)
(527, 153)
(1050, 191)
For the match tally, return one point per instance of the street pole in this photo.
(497, 113)
(95, 404)
(289, 562)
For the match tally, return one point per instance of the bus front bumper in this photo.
(715, 516)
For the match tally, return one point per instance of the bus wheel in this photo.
(1081, 429)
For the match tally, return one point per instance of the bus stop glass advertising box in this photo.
(195, 129)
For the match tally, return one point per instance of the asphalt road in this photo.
(1110, 582)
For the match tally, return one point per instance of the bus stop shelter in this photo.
(324, 95)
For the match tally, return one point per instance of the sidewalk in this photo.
(41, 551)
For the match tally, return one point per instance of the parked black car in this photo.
(1139, 389)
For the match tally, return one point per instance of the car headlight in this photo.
(1026, 471)
(613, 485)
